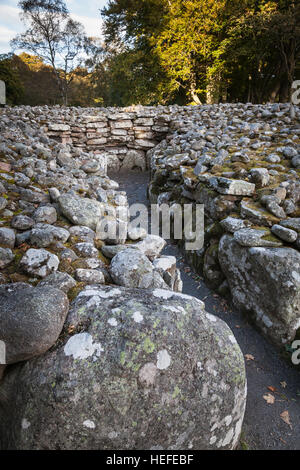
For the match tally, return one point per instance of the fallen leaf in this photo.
(24, 247)
(270, 399)
(272, 389)
(5, 166)
(283, 384)
(249, 357)
(286, 418)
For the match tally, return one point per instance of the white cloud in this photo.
(92, 25)
(6, 34)
(10, 25)
(10, 15)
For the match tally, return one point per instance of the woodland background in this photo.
(153, 52)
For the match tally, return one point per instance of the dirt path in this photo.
(263, 427)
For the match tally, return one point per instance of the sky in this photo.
(85, 11)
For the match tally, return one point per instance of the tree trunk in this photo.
(289, 70)
(212, 95)
(194, 96)
(192, 91)
(249, 97)
(274, 92)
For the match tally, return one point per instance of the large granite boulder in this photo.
(31, 319)
(142, 369)
(266, 283)
(151, 246)
(131, 268)
(80, 210)
(39, 262)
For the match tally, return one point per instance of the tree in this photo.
(38, 80)
(187, 42)
(132, 63)
(10, 75)
(180, 35)
(54, 37)
(210, 50)
(262, 49)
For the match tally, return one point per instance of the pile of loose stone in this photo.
(124, 135)
(53, 197)
(243, 163)
(107, 353)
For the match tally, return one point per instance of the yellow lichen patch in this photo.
(103, 258)
(261, 211)
(66, 266)
(72, 294)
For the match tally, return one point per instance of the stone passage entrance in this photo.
(265, 366)
(124, 136)
(242, 163)
(122, 327)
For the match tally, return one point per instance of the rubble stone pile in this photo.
(102, 350)
(242, 162)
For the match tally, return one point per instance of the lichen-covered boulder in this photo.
(31, 319)
(134, 369)
(80, 211)
(7, 237)
(266, 283)
(131, 268)
(39, 262)
(151, 246)
(6, 257)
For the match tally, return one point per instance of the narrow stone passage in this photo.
(266, 367)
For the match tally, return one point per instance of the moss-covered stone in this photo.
(113, 382)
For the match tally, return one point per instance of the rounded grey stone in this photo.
(90, 276)
(143, 370)
(62, 281)
(284, 233)
(7, 237)
(31, 319)
(45, 214)
(39, 262)
(6, 257)
(22, 222)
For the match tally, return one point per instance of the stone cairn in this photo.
(243, 163)
(107, 351)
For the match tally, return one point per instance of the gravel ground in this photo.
(264, 428)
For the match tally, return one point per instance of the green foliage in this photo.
(157, 52)
(133, 66)
(262, 50)
(212, 50)
(9, 74)
(54, 37)
(134, 77)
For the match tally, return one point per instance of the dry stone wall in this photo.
(242, 162)
(124, 135)
(85, 315)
